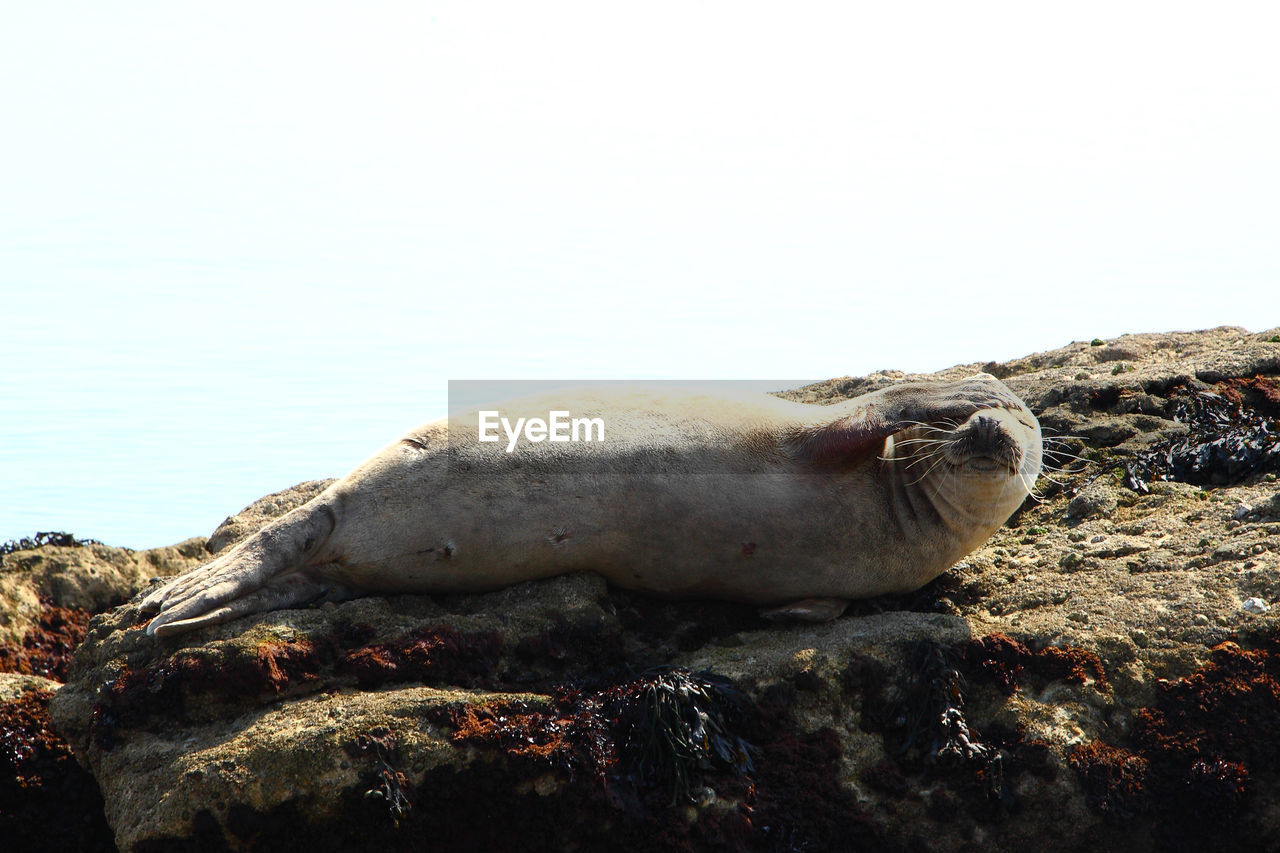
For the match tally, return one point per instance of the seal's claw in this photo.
(155, 599)
(197, 602)
(177, 589)
(224, 601)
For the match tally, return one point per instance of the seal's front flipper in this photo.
(295, 588)
(807, 610)
(847, 440)
(264, 572)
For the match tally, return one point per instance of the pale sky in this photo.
(316, 214)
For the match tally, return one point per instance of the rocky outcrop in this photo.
(47, 593)
(1103, 674)
(90, 577)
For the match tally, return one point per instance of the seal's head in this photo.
(982, 466)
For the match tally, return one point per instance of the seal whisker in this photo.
(1074, 464)
(906, 441)
(1045, 469)
(922, 459)
(1045, 475)
(1030, 486)
(916, 460)
(941, 458)
(1066, 455)
(926, 449)
(1070, 466)
(951, 423)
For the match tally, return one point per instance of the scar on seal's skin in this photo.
(876, 494)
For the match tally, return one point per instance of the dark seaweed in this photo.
(48, 537)
(1228, 442)
(924, 727)
(671, 723)
(47, 800)
(46, 649)
(1193, 759)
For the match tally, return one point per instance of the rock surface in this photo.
(1091, 678)
(47, 593)
(89, 577)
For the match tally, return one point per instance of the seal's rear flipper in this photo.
(807, 610)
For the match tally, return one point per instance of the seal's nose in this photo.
(986, 431)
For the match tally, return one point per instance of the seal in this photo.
(752, 499)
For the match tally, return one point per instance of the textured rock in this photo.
(14, 684)
(89, 577)
(1092, 501)
(241, 724)
(1089, 679)
(47, 801)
